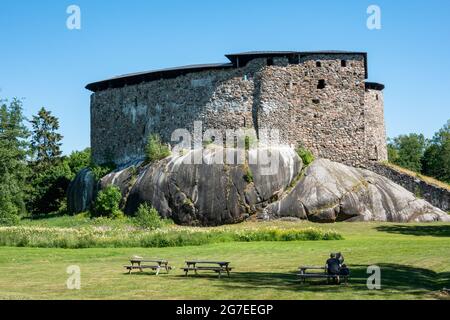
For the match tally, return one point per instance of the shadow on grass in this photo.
(403, 279)
(431, 230)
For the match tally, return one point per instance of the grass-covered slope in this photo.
(414, 259)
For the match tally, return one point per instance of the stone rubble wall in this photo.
(329, 121)
(332, 122)
(438, 197)
(375, 126)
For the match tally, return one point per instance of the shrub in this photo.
(148, 217)
(49, 188)
(155, 150)
(306, 155)
(248, 176)
(101, 171)
(250, 142)
(107, 203)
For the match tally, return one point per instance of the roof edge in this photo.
(170, 73)
(375, 86)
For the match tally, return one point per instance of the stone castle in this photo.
(320, 100)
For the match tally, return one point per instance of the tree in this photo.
(14, 150)
(436, 159)
(51, 176)
(78, 160)
(409, 151)
(46, 141)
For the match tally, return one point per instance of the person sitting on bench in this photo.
(340, 258)
(333, 265)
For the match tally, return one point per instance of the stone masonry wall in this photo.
(123, 118)
(330, 121)
(438, 197)
(375, 126)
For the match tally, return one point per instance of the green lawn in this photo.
(414, 259)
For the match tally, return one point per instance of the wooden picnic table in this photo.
(216, 266)
(141, 264)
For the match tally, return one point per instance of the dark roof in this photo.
(139, 77)
(375, 86)
(237, 60)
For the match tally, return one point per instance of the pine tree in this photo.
(46, 141)
(51, 175)
(14, 150)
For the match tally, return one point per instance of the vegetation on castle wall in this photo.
(306, 155)
(155, 150)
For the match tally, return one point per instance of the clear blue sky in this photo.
(49, 65)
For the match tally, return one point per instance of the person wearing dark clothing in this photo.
(340, 257)
(344, 271)
(333, 265)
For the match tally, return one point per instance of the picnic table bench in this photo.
(141, 264)
(303, 274)
(216, 266)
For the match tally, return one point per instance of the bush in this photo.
(306, 155)
(102, 170)
(248, 176)
(49, 188)
(155, 150)
(148, 217)
(107, 203)
(251, 142)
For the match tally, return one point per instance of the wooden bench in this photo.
(303, 275)
(215, 266)
(141, 264)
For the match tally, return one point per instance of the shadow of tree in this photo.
(402, 278)
(431, 230)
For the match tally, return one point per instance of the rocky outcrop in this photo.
(331, 192)
(209, 194)
(81, 192)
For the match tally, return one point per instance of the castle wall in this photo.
(123, 118)
(330, 121)
(375, 126)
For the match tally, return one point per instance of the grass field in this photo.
(414, 261)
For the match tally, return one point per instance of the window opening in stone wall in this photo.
(318, 64)
(270, 62)
(321, 84)
(316, 101)
(377, 97)
(343, 63)
(294, 60)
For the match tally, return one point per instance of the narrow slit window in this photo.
(377, 97)
(321, 84)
